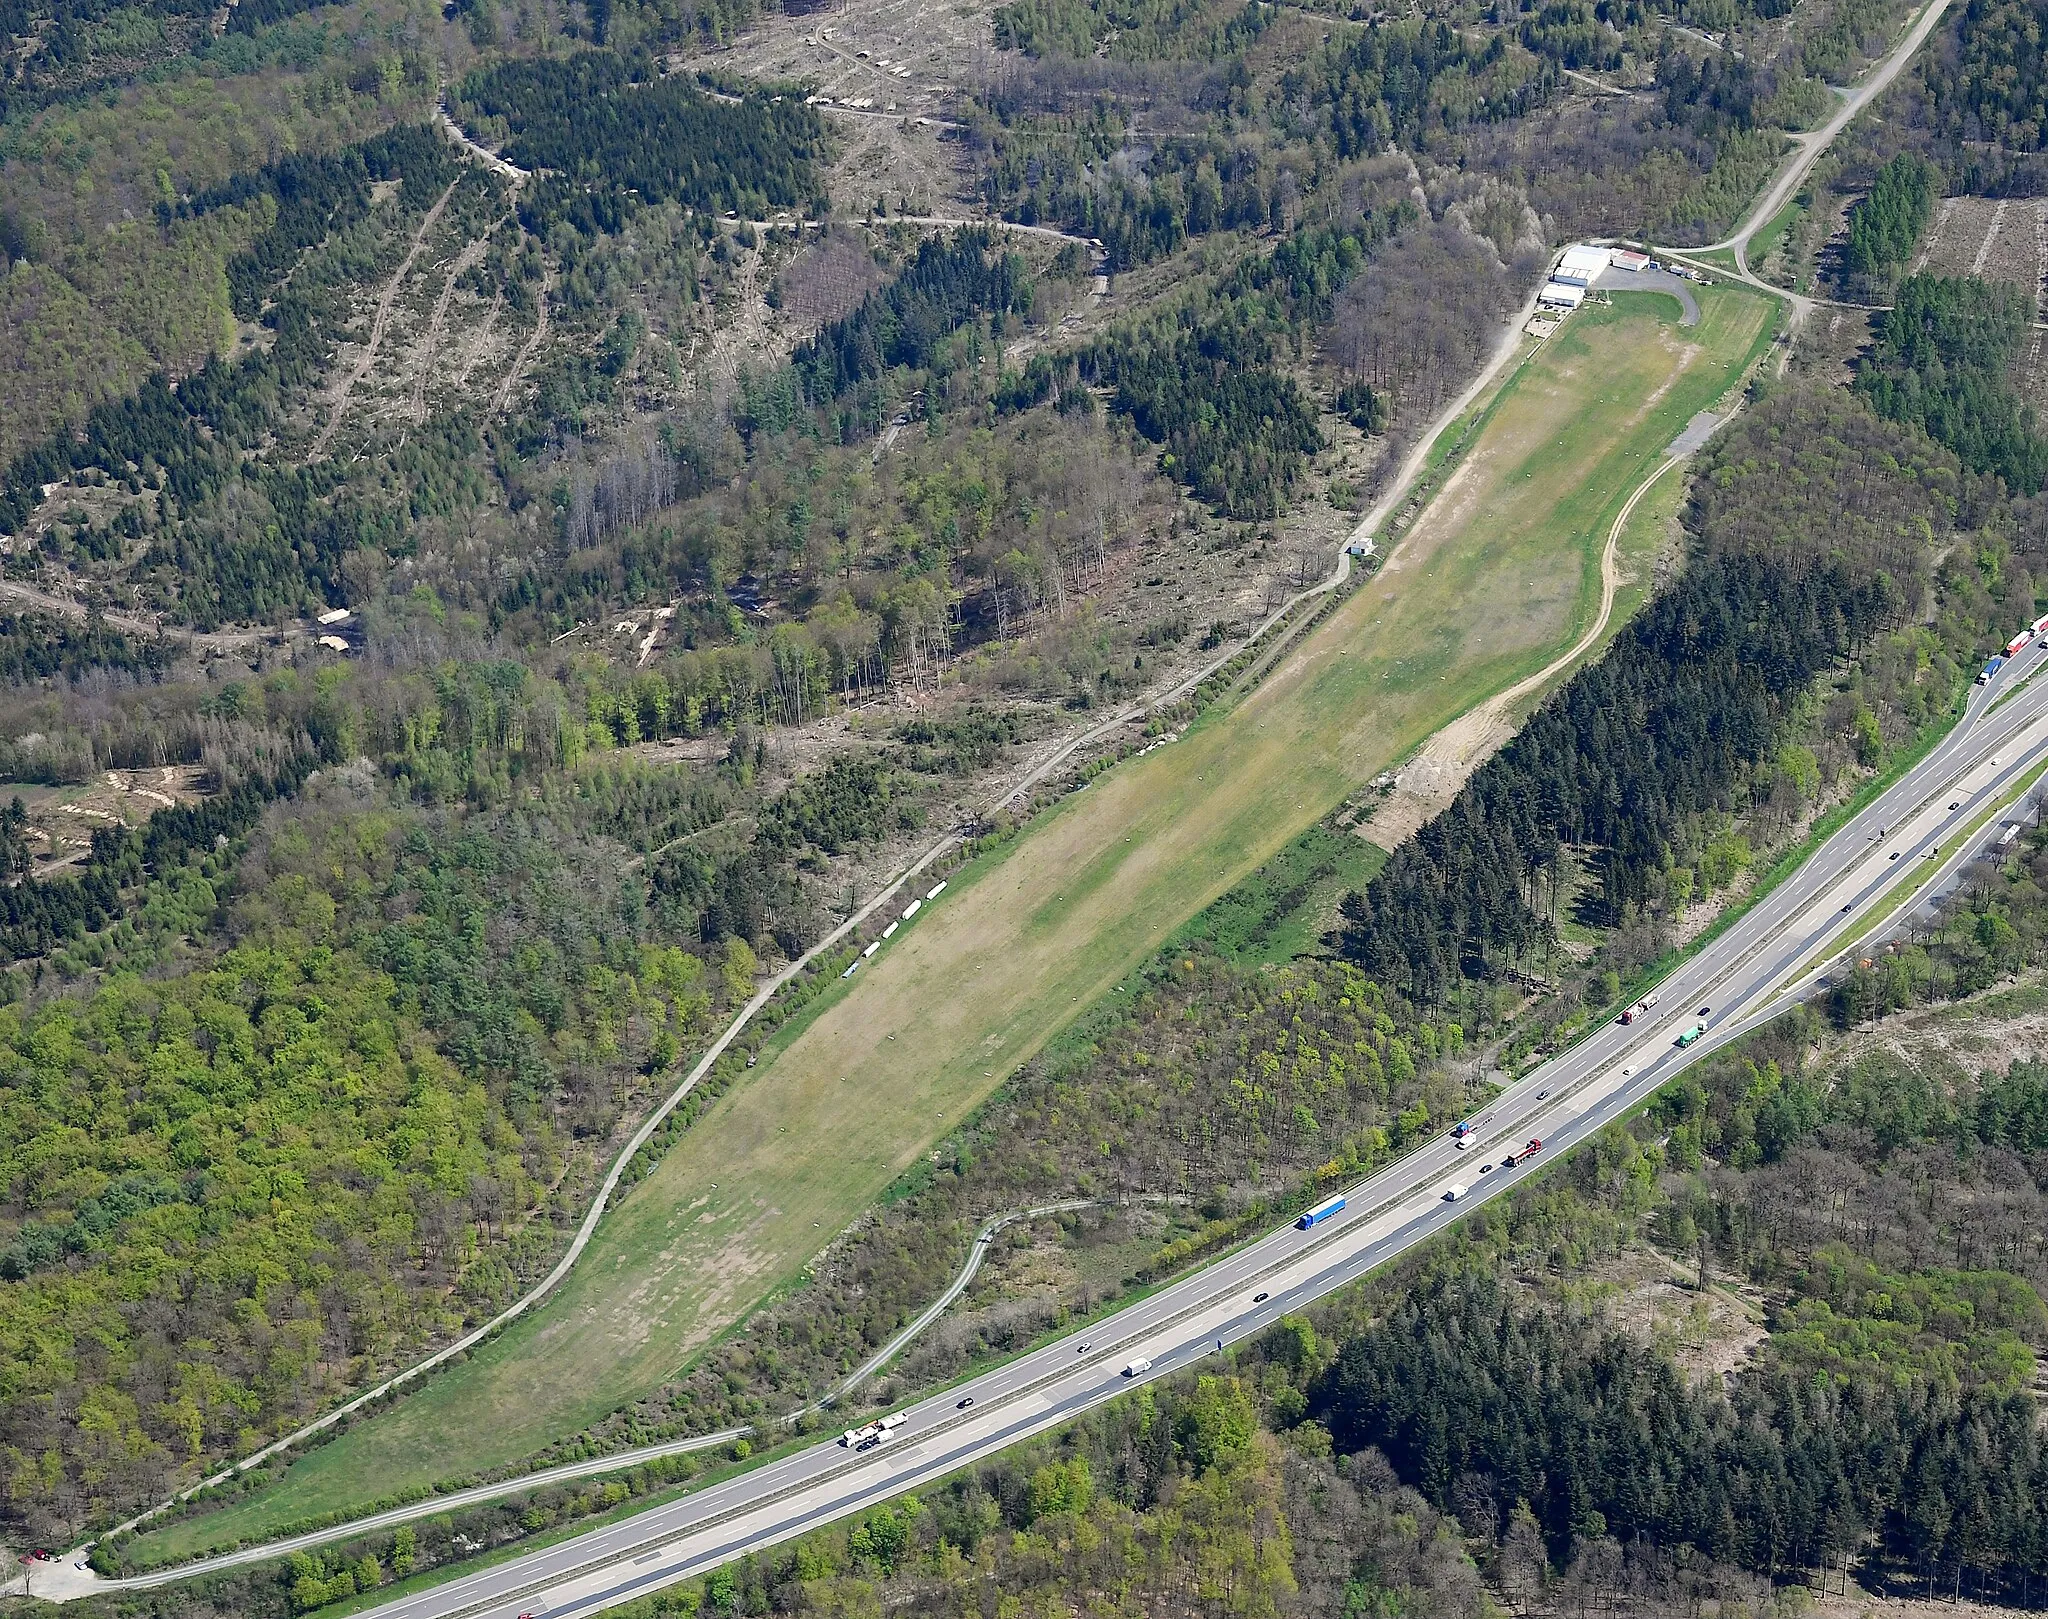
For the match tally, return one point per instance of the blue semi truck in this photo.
(1317, 1215)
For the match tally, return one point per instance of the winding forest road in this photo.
(571, 1561)
(1807, 150)
(1432, 779)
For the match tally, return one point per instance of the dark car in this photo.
(964, 1403)
(1260, 1298)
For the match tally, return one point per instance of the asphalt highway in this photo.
(1751, 972)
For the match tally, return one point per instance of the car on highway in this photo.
(1084, 1346)
(1895, 854)
(1260, 1298)
(1958, 804)
(1703, 1011)
(964, 1403)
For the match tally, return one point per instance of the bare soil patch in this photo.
(1989, 1032)
(828, 279)
(1710, 1335)
(62, 820)
(905, 52)
(2012, 249)
(1960, 236)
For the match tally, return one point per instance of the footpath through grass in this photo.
(1497, 575)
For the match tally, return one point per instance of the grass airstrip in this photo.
(1499, 574)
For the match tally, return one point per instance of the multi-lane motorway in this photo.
(1924, 828)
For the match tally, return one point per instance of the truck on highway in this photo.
(1321, 1212)
(2018, 641)
(1138, 1367)
(1639, 1008)
(1984, 674)
(1535, 1146)
(1691, 1035)
(1454, 1191)
(874, 1433)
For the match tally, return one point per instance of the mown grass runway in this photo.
(1499, 575)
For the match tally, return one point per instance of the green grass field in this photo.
(1721, 258)
(1766, 240)
(1499, 574)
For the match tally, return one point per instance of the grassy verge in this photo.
(1767, 240)
(1490, 582)
(1719, 258)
